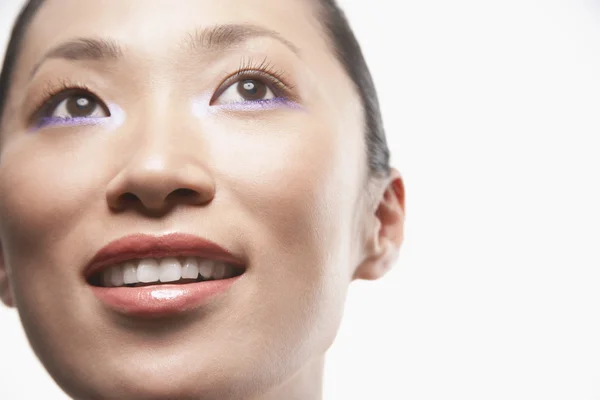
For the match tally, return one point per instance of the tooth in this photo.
(190, 268)
(148, 270)
(205, 268)
(129, 273)
(170, 270)
(116, 275)
(219, 270)
(106, 278)
(228, 271)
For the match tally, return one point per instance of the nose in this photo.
(160, 175)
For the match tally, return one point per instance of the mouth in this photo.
(168, 270)
(149, 276)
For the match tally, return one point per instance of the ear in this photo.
(385, 230)
(5, 292)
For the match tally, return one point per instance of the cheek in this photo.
(297, 188)
(290, 176)
(48, 188)
(46, 185)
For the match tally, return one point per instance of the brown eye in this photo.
(244, 91)
(79, 105)
(252, 89)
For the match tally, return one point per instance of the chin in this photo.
(162, 381)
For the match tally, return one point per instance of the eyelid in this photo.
(280, 89)
(56, 92)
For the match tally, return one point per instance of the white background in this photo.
(492, 113)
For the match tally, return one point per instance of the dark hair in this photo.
(342, 39)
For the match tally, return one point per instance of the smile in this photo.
(174, 270)
(150, 276)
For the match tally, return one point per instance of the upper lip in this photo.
(148, 246)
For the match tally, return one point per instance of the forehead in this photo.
(155, 24)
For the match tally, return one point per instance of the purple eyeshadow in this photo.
(255, 105)
(54, 121)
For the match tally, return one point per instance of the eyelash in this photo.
(54, 93)
(264, 71)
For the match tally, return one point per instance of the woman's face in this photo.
(163, 134)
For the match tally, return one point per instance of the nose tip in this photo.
(157, 187)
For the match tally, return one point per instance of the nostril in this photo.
(128, 198)
(188, 193)
(124, 201)
(156, 201)
(187, 196)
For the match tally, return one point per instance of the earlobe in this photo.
(386, 231)
(5, 292)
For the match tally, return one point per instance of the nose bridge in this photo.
(166, 161)
(156, 144)
(162, 141)
(159, 124)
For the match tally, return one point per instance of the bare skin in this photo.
(284, 186)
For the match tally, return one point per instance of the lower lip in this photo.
(161, 299)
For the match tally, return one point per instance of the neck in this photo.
(306, 384)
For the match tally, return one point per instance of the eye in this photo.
(72, 105)
(245, 90)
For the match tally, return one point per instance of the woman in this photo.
(187, 193)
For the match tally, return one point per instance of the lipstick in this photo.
(154, 298)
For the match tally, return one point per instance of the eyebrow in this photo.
(83, 49)
(220, 37)
(214, 38)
